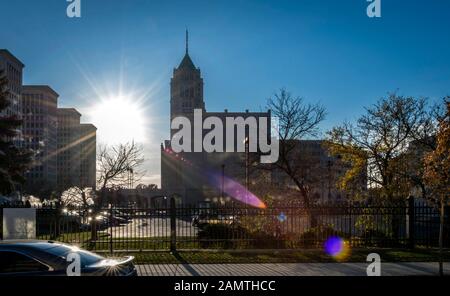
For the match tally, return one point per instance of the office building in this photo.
(39, 128)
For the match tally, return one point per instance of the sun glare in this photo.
(119, 120)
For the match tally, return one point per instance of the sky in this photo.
(325, 51)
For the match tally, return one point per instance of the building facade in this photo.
(88, 155)
(68, 155)
(317, 169)
(39, 128)
(64, 150)
(76, 158)
(13, 69)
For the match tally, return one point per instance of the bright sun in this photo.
(118, 120)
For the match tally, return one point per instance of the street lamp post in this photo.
(222, 194)
(246, 169)
(329, 165)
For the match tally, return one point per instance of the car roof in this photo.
(33, 246)
(36, 249)
(41, 250)
(22, 241)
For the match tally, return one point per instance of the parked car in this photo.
(48, 258)
(120, 214)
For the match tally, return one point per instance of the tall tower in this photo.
(186, 94)
(186, 87)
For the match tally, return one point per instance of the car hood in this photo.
(109, 262)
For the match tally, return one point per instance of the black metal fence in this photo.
(279, 226)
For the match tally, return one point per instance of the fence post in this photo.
(173, 225)
(111, 220)
(1, 223)
(350, 224)
(411, 222)
(446, 226)
(57, 216)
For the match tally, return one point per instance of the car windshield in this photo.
(87, 258)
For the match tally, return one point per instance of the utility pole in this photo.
(329, 165)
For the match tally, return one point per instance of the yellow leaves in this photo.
(354, 160)
(437, 162)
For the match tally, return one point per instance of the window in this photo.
(12, 262)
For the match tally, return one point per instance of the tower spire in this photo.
(187, 41)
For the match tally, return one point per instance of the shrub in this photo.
(220, 235)
(372, 237)
(264, 240)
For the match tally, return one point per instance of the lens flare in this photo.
(337, 248)
(235, 190)
(231, 187)
(282, 217)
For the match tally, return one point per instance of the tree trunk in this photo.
(96, 209)
(93, 230)
(306, 203)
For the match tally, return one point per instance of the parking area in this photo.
(151, 227)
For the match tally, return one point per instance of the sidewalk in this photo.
(290, 269)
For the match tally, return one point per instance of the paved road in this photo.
(152, 227)
(290, 269)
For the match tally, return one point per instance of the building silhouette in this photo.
(186, 88)
(64, 150)
(68, 155)
(76, 151)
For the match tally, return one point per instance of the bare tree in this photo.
(118, 166)
(297, 121)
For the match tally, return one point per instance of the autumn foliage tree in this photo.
(437, 172)
(376, 145)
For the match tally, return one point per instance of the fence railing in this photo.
(279, 226)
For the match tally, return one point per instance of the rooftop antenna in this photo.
(187, 41)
